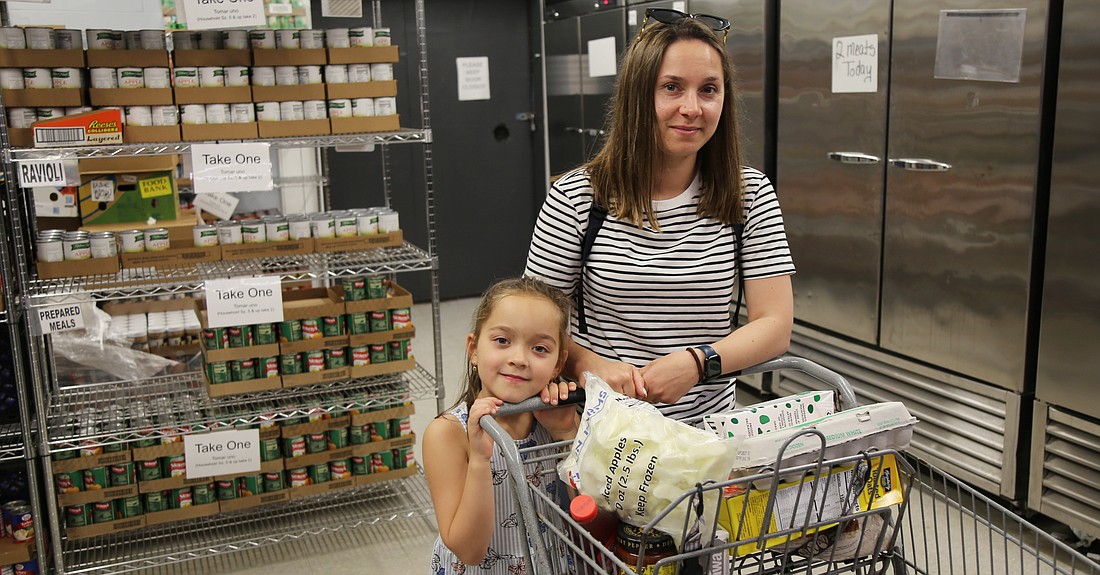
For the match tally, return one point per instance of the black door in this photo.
(484, 173)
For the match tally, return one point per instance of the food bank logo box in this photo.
(97, 128)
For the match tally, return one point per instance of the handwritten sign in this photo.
(244, 301)
(855, 64)
(155, 187)
(222, 453)
(103, 190)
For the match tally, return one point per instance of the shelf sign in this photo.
(155, 187)
(231, 167)
(44, 173)
(59, 318)
(855, 64)
(280, 9)
(209, 14)
(244, 301)
(221, 205)
(222, 452)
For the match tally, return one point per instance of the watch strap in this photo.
(712, 362)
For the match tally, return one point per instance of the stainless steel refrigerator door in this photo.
(961, 186)
(1068, 358)
(829, 162)
(564, 121)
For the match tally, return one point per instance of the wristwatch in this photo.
(712, 362)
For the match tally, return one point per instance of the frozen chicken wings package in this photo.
(635, 462)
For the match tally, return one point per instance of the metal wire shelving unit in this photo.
(68, 413)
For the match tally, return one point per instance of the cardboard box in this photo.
(312, 302)
(400, 298)
(409, 471)
(138, 196)
(12, 552)
(358, 243)
(98, 529)
(218, 132)
(383, 368)
(84, 497)
(366, 449)
(376, 337)
(238, 387)
(43, 97)
(301, 93)
(31, 58)
(179, 255)
(255, 501)
(78, 268)
(324, 376)
(316, 458)
(374, 89)
(173, 515)
(319, 488)
(179, 229)
(238, 353)
(265, 467)
(147, 306)
(124, 58)
(267, 250)
(212, 94)
(150, 134)
(130, 96)
(101, 460)
(314, 344)
(212, 57)
(20, 137)
(365, 124)
(291, 57)
(178, 482)
(383, 414)
(769, 416)
(158, 451)
(362, 55)
(293, 128)
(318, 426)
(53, 202)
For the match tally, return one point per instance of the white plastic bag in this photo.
(635, 462)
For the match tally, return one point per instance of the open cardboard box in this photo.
(32, 58)
(383, 414)
(173, 515)
(107, 528)
(166, 483)
(124, 58)
(290, 57)
(299, 92)
(239, 387)
(400, 298)
(376, 337)
(150, 134)
(317, 458)
(131, 204)
(101, 460)
(267, 249)
(383, 368)
(180, 254)
(216, 132)
(255, 500)
(212, 94)
(43, 97)
(311, 303)
(365, 124)
(179, 229)
(224, 57)
(366, 449)
(358, 243)
(265, 467)
(130, 96)
(314, 344)
(12, 553)
(78, 268)
(373, 89)
(319, 488)
(362, 55)
(318, 426)
(313, 378)
(290, 128)
(409, 471)
(85, 497)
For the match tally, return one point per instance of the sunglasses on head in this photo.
(670, 16)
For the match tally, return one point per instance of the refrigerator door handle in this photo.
(920, 165)
(853, 158)
(574, 130)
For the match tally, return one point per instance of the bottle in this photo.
(628, 547)
(602, 524)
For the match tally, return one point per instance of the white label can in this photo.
(381, 36)
(347, 224)
(262, 38)
(210, 40)
(67, 77)
(366, 223)
(236, 76)
(156, 78)
(242, 112)
(103, 245)
(359, 73)
(185, 40)
(133, 241)
(152, 39)
(263, 76)
(12, 78)
(311, 38)
(287, 39)
(40, 38)
(268, 112)
(314, 110)
(139, 115)
(229, 233)
(13, 37)
(339, 108)
(253, 231)
(21, 117)
(337, 38)
(299, 228)
(77, 246)
(322, 225)
(235, 39)
(104, 78)
(381, 71)
(131, 39)
(286, 75)
(362, 107)
(292, 110)
(165, 115)
(130, 77)
(211, 76)
(277, 229)
(156, 240)
(48, 113)
(38, 78)
(204, 235)
(336, 74)
(100, 39)
(309, 75)
(388, 221)
(69, 39)
(386, 106)
(51, 249)
(217, 114)
(358, 37)
(193, 114)
(185, 77)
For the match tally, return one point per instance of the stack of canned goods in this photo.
(40, 77)
(61, 245)
(41, 38)
(17, 522)
(295, 227)
(155, 330)
(147, 240)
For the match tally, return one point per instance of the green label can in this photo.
(267, 367)
(316, 442)
(234, 369)
(219, 372)
(336, 357)
(103, 512)
(250, 485)
(376, 287)
(360, 465)
(215, 338)
(173, 466)
(381, 462)
(240, 335)
(380, 320)
(338, 438)
(400, 427)
(273, 481)
(149, 470)
(269, 449)
(122, 474)
(314, 361)
(248, 369)
(358, 323)
(299, 477)
(360, 355)
(180, 498)
(290, 330)
(311, 328)
(63, 455)
(295, 446)
(318, 473)
(69, 481)
(227, 489)
(78, 516)
(332, 325)
(379, 353)
(96, 478)
(379, 430)
(155, 502)
(290, 363)
(401, 457)
(204, 493)
(358, 435)
(397, 351)
(400, 318)
(355, 288)
(264, 334)
(128, 507)
(339, 469)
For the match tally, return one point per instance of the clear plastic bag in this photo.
(95, 347)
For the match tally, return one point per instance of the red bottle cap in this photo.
(583, 508)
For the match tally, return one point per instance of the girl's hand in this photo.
(623, 378)
(480, 442)
(561, 422)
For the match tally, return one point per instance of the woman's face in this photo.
(689, 96)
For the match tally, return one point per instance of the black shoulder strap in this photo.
(596, 217)
(738, 232)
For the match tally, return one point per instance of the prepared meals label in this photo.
(61, 318)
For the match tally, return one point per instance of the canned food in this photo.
(381, 72)
(290, 330)
(294, 446)
(129, 77)
(156, 240)
(299, 227)
(227, 489)
(103, 512)
(323, 225)
(40, 38)
(400, 318)
(250, 485)
(381, 462)
(237, 76)
(314, 110)
(66, 78)
(358, 73)
(269, 450)
(99, 39)
(128, 507)
(360, 355)
(319, 473)
(185, 77)
(253, 231)
(78, 516)
(339, 108)
(290, 363)
(239, 335)
(101, 78)
(205, 235)
(139, 115)
(380, 320)
(385, 106)
(309, 75)
(51, 250)
(173, 466)
(402, 457)
(277, 229)
(299, 477)
(311, 328)
(292, 110)
(379, 353)
(267, 367)
(338, 438)
(204, 493)
(360, 465)
(229, 233)
(180, 498)
(263, 76)
(165, 115)
(264, 334)
(336, 74)
(337, 38)
(336, 358)
(69, 481)
(287, 39)
(378, 430)
(193, 114)
(155, 502)
(103, 245)
(156, 77)
(314, 361)
(286, 75)
(96, 479)
(262, 38)
(242, 112)
(316, 442)
(219, 372)
(400, 427)
(211, 76)
(218, 114)
(152, 39)
(376, 287)
(122, 474)
(77, 245)
(361, 36)
(273, 481)
(18, 521)
(358, 435)
(366, 222)
(332, 325)
(381, 36)
(133, 241)
(37, 78)
(308, 38)
(397, 351)
(339, 469)
(248, 369)
(149, 470)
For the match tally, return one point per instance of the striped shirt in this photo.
(650, 293)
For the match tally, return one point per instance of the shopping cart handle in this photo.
(536, 404)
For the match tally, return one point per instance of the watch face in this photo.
(714, 366)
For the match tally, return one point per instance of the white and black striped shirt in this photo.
(650, 293)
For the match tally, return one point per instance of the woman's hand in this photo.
(560, 422)
(669, 377)
(480, 442)
(622, 377)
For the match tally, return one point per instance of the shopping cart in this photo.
(877, 511)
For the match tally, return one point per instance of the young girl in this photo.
(516, 350)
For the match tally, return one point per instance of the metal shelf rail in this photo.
(257, 527)
(11, 442)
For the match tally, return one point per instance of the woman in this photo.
(659, 282)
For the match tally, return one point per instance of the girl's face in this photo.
(518, 351)
(689, 97)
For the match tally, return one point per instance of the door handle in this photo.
(572, 130)
(853, 158)
(920, 165)
(595, 132)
